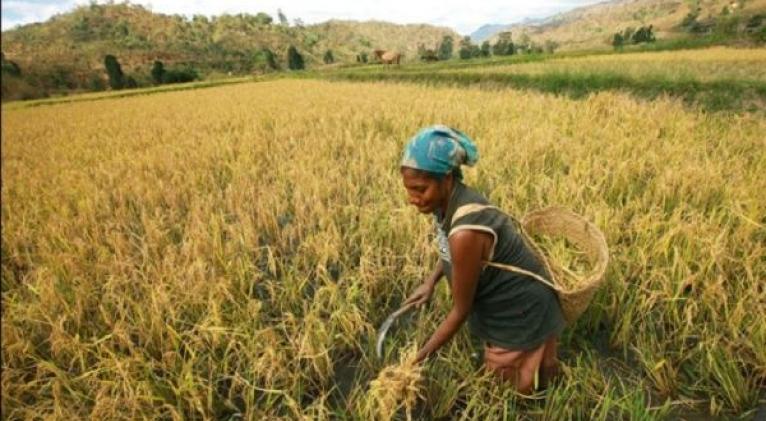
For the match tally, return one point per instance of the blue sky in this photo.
(460, 15)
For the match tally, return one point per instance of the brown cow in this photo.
(388, 57)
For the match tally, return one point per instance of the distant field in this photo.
(703, 65)
(714, 79)
(229, 252)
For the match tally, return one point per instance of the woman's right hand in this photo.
(421, 295)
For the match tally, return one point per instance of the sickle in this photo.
(387, 324)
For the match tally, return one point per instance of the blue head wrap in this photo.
(440, 150)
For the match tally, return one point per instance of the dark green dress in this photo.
(510, 310)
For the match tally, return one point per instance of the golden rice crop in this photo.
(229, 252)
(397, 386)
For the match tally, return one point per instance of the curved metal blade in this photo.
(386, 325)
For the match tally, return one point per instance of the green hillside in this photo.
(67, 52)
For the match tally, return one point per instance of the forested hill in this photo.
(67, 52)
(594, 26)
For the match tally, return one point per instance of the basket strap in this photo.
(519, 270)
(476, 207)
(468, 209)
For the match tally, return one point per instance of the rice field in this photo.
(713, 79)
(712, 64)
(229, 253)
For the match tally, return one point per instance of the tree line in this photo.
(633, 36)
(466, 49)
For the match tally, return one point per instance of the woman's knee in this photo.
(522, 382)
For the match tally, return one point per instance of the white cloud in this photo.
(458, 14)
(19, 12)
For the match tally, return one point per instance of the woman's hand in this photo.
(421, 295)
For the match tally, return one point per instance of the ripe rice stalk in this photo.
(397, 386)
(573, 263)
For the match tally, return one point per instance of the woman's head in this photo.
(431, 163)
(427, 191)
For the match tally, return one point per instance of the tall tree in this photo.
(294, 59)
(468, 49)
(485, 49)
(445, 48)
(282, 18)
(158, 72)
(328, 57)
(114, 71)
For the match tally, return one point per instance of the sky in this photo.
(461, 15)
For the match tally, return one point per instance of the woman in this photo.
(517, 317)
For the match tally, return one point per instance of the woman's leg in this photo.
(516, 366)
(549, 369)
(503, 362)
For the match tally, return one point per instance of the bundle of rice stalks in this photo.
(397, 386)
(572, 264)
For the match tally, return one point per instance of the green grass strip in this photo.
(719, 95)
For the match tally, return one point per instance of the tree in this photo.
(445, 48)
(114, 71)
(504, 45)
(467, 49)
(158, 71)
(503, 48)
(9, 67)
(282, 18)
(618, 41)
(643, 34)
(294, 59)
(499, 48)
(262, 18)
(186, 74)
(265, 60)
(429, 55)
(485, 49)
(551, 46)
(328, 57)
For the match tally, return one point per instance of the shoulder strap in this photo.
(469, 208)
(519, 270)
(476, 207)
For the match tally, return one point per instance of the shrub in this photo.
(181, 75)
(328, 57)
(264, 61)
(9, 67)
(158, 72)
(294, 59)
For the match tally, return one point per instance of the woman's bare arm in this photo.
(467, 249)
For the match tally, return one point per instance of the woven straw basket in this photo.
(556, 221)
